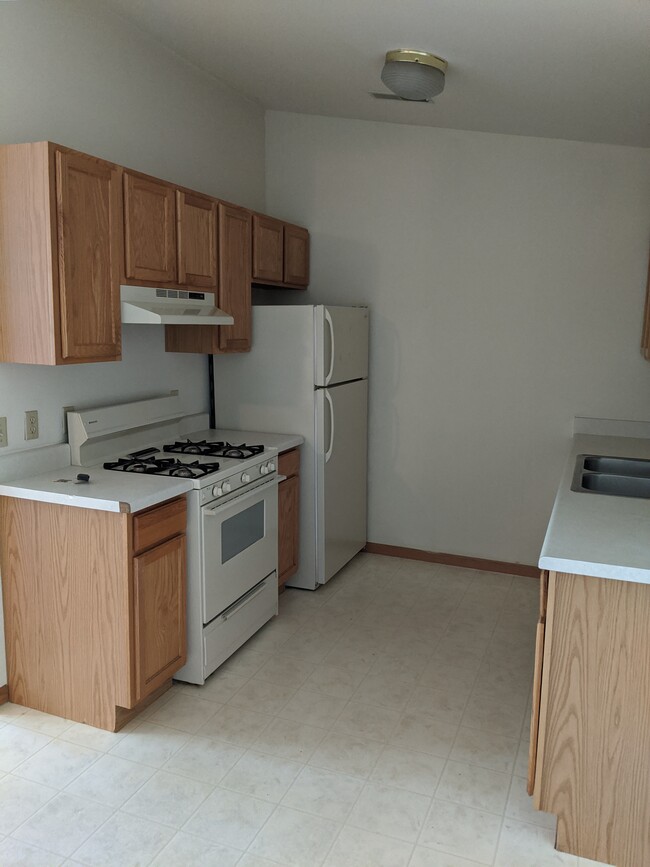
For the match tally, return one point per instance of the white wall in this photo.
(77, 74)
(506, 280)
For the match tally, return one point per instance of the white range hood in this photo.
(145, 305)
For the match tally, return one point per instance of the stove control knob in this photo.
(217, 491)
(226, 487)
(264, 469)
(271, 466)
(245, 477)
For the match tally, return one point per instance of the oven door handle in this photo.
(215, 510)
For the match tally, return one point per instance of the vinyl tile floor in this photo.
(381, 721)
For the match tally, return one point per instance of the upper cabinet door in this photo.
(296, 255)
(235, 277)
(267, 249)
(149, 229)
(89, 204)
(197, 240)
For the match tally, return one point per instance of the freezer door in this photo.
(341, 338)
(341, 472)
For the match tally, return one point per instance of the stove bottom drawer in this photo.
(237, 624)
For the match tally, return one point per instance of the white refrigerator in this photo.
(307, 373)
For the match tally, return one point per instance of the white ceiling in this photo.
(572, 69)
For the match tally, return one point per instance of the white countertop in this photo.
(109, 491)
(597, 534)
(281, 442)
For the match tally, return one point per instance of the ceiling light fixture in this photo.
(416, 76)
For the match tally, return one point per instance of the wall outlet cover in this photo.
(31, 424)
(4, 441)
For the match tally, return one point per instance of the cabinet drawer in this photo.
(158, 524)
(289, 463)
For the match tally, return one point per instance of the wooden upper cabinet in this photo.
(60, 256)
(235, 277)
(89, 202)
(296, 255)
(149, 229)
(197, 240)
(268, 249)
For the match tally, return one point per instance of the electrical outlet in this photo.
(4, 441)
(31, 424)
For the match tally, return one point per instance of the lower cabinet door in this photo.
(159, 592)
(288, 529)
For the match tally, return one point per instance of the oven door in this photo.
(240, 546)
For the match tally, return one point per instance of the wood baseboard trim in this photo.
(453, 560)
(4, 694)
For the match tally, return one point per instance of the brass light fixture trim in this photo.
(423, 57)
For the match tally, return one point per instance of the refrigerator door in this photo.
(341, 344)
(341, 475)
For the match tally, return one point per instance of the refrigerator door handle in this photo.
(330, 324)
(330, 449)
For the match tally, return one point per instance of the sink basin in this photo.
(617, 466)
(618, 477)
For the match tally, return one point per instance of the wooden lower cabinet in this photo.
(159, 594)
(92, 632)
(288, 516)
(591, 758)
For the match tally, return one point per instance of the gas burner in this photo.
(140, 465)
(240, 452)
(193, 470)
(220, 449)
(202, 447)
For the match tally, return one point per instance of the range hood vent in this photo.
(144, 305)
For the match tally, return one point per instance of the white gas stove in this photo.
(231, 522)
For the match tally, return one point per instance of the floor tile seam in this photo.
(136, 790)
(176, 828)
(443, 852)
(13, 770)
(34, 846)
(132, 816)
(334, 773)
(348, 824)
(114, 810)
(72, 779)
(39, 731)
(437, 797)
(55, 792)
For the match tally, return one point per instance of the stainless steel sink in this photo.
(617, 477)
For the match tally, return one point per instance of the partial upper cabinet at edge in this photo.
(645, 338)
(280, 253)
(61, 256)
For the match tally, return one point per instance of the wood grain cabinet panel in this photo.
(593, 746)
(159, 589)
(268, 249)
(197, 240)
(235, 277)
(149, 229)
(89, 229)
(296, 256)
(92, 632)
(234, 292)
(288, 516)
(60, 255)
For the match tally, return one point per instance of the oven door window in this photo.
(241, 531)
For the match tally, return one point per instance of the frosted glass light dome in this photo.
(414, 75)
